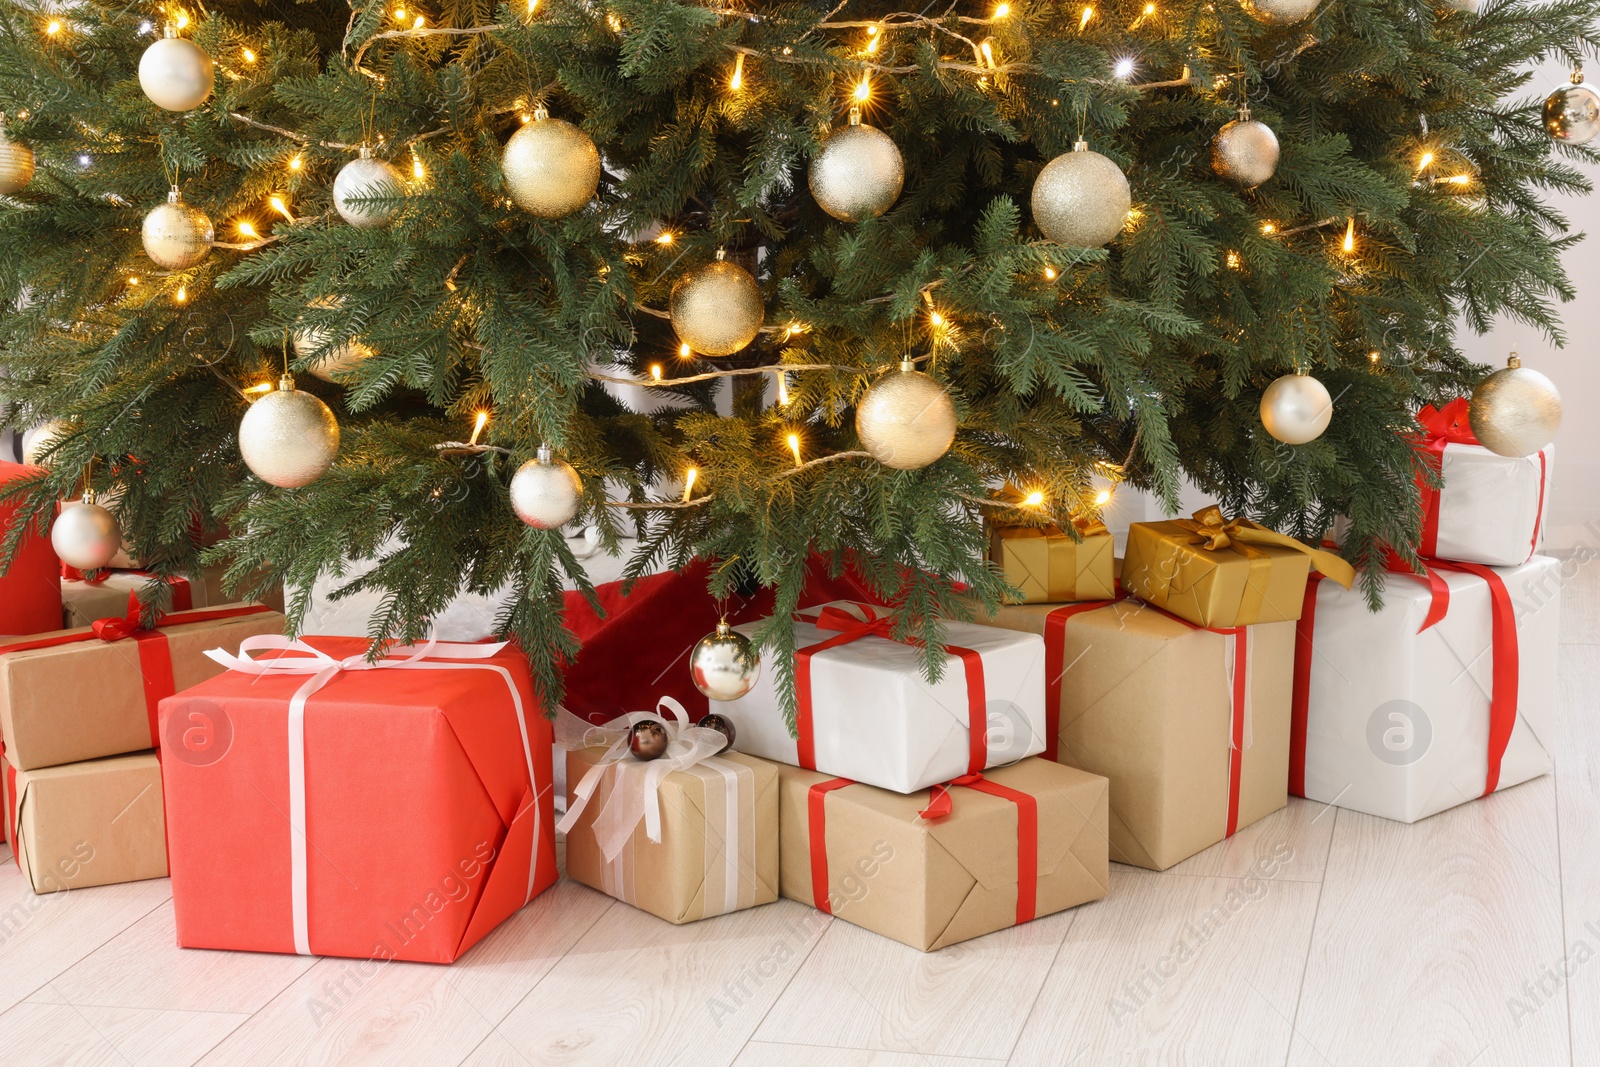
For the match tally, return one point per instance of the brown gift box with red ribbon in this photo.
(94, 691)
(933, 868)
(98, 822)
(1190, 725)
(107, 594)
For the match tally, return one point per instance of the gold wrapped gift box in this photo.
(1049, 567)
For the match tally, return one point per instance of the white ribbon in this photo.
(323, 668)
(1229, 654)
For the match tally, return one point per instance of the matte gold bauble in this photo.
(1081, 198)
(1515, 411)
(16, 164)
(724, 666)
(1296, 409)
(552, 168)
(1244, 153)
(39, 440)
(1281, 12)
(717, 309)
(85, 535)
(289, 438)
(366, 177)
(859, 172)
(906, 419)
(177, 236)
(1572, 112)
(545, 492)
(176, 74)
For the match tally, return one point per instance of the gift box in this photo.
(1446, 694)
(984, 853)
(30, 595)
(1190, 725)
(687, 836)
(396, 809)
(109, 593)
(93, 823)
(866, 712)
(80, 694)
(1491, 508)
(1048, 566)
(1219, 573)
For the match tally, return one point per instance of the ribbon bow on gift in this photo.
(636, 793)
(1212, 532)
(1450, 424)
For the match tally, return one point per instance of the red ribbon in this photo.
(849, 628)
(940, 805)
(11, 813)
(1538, 518)
(1440, 427)
(816, 805)
(1055, 667)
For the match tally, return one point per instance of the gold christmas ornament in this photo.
(16, 163)
(1296, 408)
(717, 309)
(364, 177)
(1281, 12)
(545, 492)
(1244, 153)
(176, 74)
(1572, 113)
(289, 438)
(1515, 411)
(906, 419)
(85, 535)
(1081, 198)
(552, 168)
(177, 236)
(859, 172)
(724, 666)
(39, 440)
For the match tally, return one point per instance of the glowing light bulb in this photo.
(1002, 11)
(1033, 499)
(688, 483)
(1268, 229)
(296, 163)
(1149, 9)
(416, 169)
(1460, 179)
(182, 295)
(400, 14)
(247, 230)
(1124, 68)
(249, 56)
(280, 207)
(133, 280)
(1374, 356)
(183, 20)
(417, 25)
(1102, 498)
(1083, 20)
(936, 319)
(1049, 274)
(684, 351)
(1425, 161)
(872, 39)
(655, 371)
(665, 238)
(794, 446)
(264, 387)
(863, 90)
(1350, 235)
(737, 81)
(783, 388)
(988, 53)
(614, 22)
(532, 6)
(53, 28)
(1233, 259)
(483, 420)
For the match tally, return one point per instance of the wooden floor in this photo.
(1472, 938)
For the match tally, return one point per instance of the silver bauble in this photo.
(1081, 198)
(85, 535)
(717, 309)
(858, 173)
(545, 492)
(1245, 152)
(1572, 112)
(1296, 408)
(39, 440)
(16, 165)
(289, 438)
(1515, 411)
(906, 419)
(364, 177)
(724, 664)
(177, 236)
(552, 168)
(176, 74)
(1281, 12)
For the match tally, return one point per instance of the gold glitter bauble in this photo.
(552, 168)
(1245, 152)
(546, 492)
(176, 74)
(16, 165)
(362, 178)
(906, 419)
(1281, 12)
(717, 309)
(1081, 198)
(289, 438)
(176, 235)
(1572, 113)
(1515, 411)
(859, 172)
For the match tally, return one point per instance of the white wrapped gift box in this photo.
(1392, 716)
(868, 714)
(1491, 509)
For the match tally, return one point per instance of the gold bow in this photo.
(1210, 530)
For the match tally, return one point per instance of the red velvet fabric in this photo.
(30, 592)
(640, 651)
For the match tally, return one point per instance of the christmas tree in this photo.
(758, 210)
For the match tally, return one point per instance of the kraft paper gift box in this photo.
(1491, 508)
(866, 712)
(30, 595)
(397, 810)
(715, 821)
(931, 869)
(1190, 725)
(1444, 695)
(1048, 566)
(1219, 573)
(98, 822)
(109, 595)
(83, 693)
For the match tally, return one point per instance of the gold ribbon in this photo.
(1212, 532)
(1066, 573)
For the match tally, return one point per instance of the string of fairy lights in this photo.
(905, 418)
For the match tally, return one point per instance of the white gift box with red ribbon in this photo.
(867, 713)
(1446, 694)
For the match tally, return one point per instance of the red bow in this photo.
(1450, 423)
(851, 628)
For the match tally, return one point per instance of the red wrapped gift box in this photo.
(323, 805)
(30, 591)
